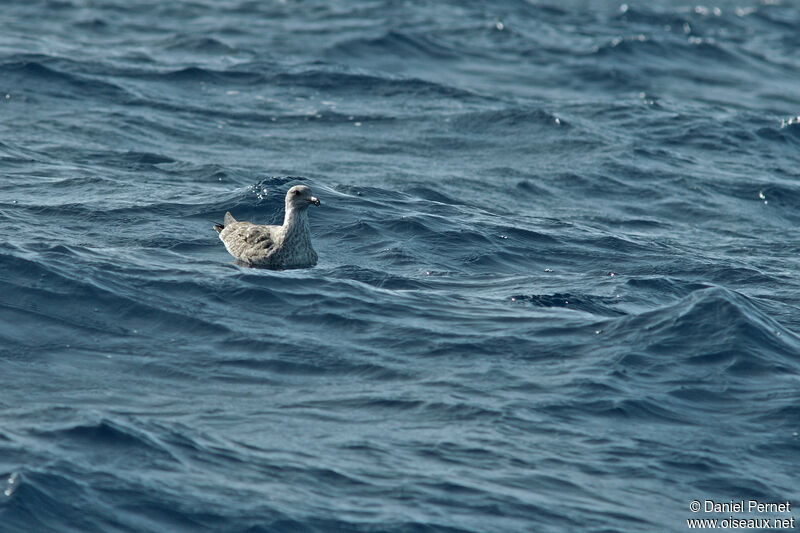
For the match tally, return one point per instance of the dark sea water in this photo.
(558, 279)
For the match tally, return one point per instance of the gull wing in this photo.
(247, 241)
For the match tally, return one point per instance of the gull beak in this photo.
(314, 200)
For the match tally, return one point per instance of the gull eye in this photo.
(296, 193)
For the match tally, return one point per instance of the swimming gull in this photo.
(278, 247)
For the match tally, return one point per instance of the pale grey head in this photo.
(299, 197)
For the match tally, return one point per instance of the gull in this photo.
(276, 247)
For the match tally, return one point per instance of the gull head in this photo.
(299, 197)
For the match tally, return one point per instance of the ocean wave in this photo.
(192, 43)
(405, 44)
(743, 338)
(506, 120)
(34, 78)
(595, 305)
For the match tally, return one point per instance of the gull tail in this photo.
(228, 220)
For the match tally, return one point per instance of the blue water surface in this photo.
(558, 278)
